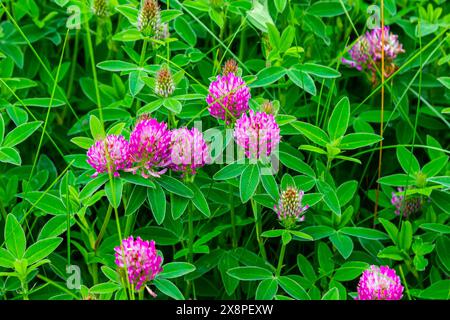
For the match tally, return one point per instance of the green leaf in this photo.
(391, 252)
(435, 166)
(45, 202)
(358, 140)
(326, 261)
(319, 232)
(405, 236)
(407, 161)
(14, 237)
(306, 268)
(157, 200)
(227, 262)
(150, 107)
(391, 229)
(272, 233)
(117, 65)
(296, 164)
(444, 181)
(332, 294)
(280, 5)
(230, 171)
(21, 133)
(268, 76)
(320, 71)
(2, 129)
(439, 290)
(250, 273)
(199, 200)
(113, 190)
(54, 227)
(338, 123)
(104, 288)
(313, 133)
(274, 36)
(442, 200)
(137, 179)
(128, 35)
(41, 249)
(443, 251)
(92, 186)
(398, 179)
(266, 289)
(287, 38)
(365, 233)
(10, 155)
(302, 80)
(178, 206)
(327, 9)
(343, 244)
(294, 289)
(248, 183)
(97, 130)
(350, 270)
(169, 15)
(436, 227)
(301, 235)
(83, 142)
(346, 192)
(184, 29)
(176, 269)
(6, 259)
(270, 185)
(175, 186)
(42, 102)
(135, 82)
(329, 196)
(173, 105)
(128, 12)
(168, 288)
(136, 200)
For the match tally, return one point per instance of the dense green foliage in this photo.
(69, 75)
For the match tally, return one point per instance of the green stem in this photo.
(281, 258)
(232, 216)
(143, 51)
(25, 289)
(404, 282)
(258, 227)
(191, 236)
(242, 43)
(104, 226)
(190, 283)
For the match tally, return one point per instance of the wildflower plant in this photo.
(191, 150)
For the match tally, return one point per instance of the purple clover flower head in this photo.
(149, 147)
(110, 153)
(258, 134)
(188, 151)
(228, 97)
(359, 53)
(141, 260)
(379, 283)
(392, 47)
(408, 206)
(164, 85)
(149, 19)
(366, 52)
(290, 210)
